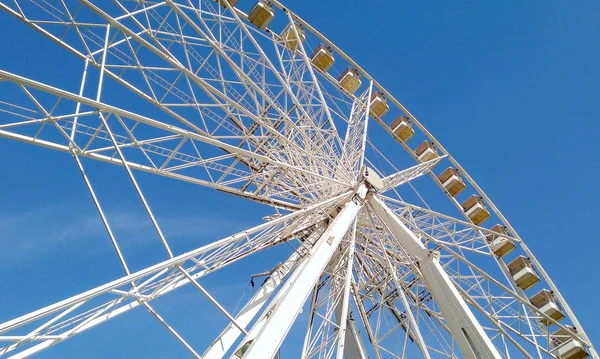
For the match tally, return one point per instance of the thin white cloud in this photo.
(41, 230)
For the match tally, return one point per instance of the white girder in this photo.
(466, 330)
(242, 112)
(268, 333)
(356, 133)
(153, 282)
(227, 338)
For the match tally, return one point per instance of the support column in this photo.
(349, 344)
(470, 337)
(265, 338)
(227, 338)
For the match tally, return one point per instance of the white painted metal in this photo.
(342, 315)
(454, 162)
(159, 279)
(227, 338)
(466, 330)
(354, 346)
(241, 112)
(270, 330)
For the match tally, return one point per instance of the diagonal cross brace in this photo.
(268, 333)
(469, 335)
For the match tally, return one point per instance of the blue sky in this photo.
(509, 88)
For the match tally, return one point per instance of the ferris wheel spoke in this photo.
(209, 89)
(353, 153)
(160, 24)
(118, 49)
(87, 44)
(454, 232)
(250, 79)
(227, 338)
(166, 150)
(322, 134)
(122, 50)
(466, 330)
(316, 105)
(510, 314)
(65, 319)
(315, 130)
(401, 177)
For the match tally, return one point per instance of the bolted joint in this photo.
(428, 257)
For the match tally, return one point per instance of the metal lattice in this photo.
(275, 113)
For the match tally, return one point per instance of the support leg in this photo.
(224, 342)
(466, 330)
(268, 333)
(342, 309)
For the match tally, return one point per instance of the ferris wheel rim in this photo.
(293, 18)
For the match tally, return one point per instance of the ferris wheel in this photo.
(395, 251)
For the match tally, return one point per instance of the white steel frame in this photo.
(235, 109)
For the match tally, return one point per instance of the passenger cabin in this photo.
(499, 244)
(523, 273)
(452, 181)
(546, 303)
(379, 105)
(261, 14)
(349, 79)
(289, 37)
(224, 2)
(322, 57)
(426, 151)
(476, 209)
(567, 347)
(403, 128)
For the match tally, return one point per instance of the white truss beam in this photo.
(153, 282)
(144, 168)
(409, 174)
(356, 133)
(268, 333)
(148, 121)
(343, 307)
(242, 75)
(466, 330)
(354, 348)
(228, 337)
(278, 190)
(243, 111)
